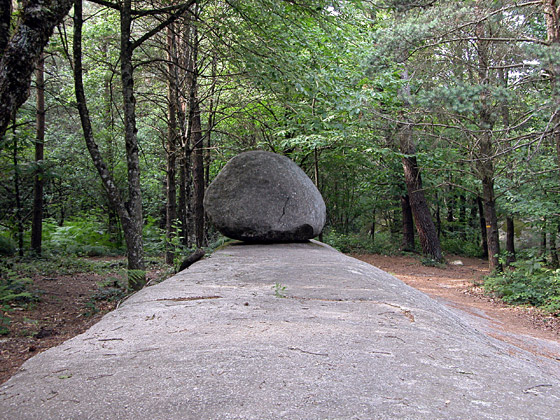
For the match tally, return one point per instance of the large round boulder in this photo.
(264, 197)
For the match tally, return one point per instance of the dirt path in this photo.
(458, 287)
(68, 306)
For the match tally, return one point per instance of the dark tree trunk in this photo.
(133, 238)
(463, 217)
(544, 245)
(373, 226)
(450, 212)
(553, 249)
(492, 234)
(5, 24)
(483, 236)
(37, 220)
(171, 188)
(485, 164)
(510, 240)
(198, 149)
(408, 224)
(19, 207)
(133, 235)
(425, 227)
(35, 25)
(198, 178)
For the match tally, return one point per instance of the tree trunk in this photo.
(198, 148)
(35, 25)
(37, 220)
(133, 238)
(463, 217)
(483, 236)
(5, 24)
(408, 225)
(492, 234)
(171, 188)
(19, 207)
(425, 227)
(510, 240)
(372, 230)
(544, 245)
(553, 249)
(485, 164)
(133, 235)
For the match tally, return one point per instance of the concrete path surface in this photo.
(218, 341)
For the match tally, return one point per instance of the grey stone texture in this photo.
(348, 341)
(265, 197)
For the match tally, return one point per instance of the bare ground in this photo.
(65, 309)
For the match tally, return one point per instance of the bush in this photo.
(458, 246)
(7, 246)
(85, 236)
(527, 283)
(355, 243)
(14, 289)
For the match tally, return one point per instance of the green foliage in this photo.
(527, 282)
(458, 246)
(7, 246)
(356, 243)
(14, 290)
(85, 236)
(430, 262)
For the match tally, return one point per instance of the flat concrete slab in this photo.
(218, 341)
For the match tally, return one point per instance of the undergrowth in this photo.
(527, 282)
(361, 243)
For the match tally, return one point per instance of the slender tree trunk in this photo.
(172, 98)
(450, 219)
(553, 249)
(483, 236)
(198, 149)
(19, 207)
(133, 235)
(425, 227)
(485, 162)
(408, 224)
(37, 220)
(373, 225)
(544, 245)
(463, 217)
(129, 225)
(510, 240)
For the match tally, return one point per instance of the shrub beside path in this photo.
(295, 331)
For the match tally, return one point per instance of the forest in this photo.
(429, 127)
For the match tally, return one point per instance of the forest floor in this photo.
(70, 304)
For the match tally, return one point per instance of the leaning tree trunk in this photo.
(35, 25)
(37, 220)
(425, 227)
